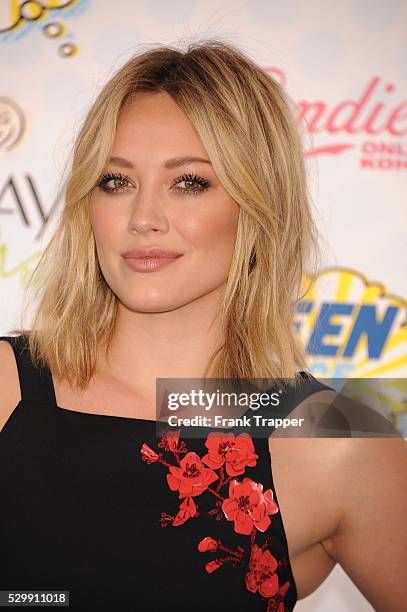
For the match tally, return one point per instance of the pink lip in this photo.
(149, 264)
(150, 251)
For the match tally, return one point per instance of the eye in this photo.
(190, 179)
(119, 182)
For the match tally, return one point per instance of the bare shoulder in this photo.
(10, 394)
(360, 485)
(307, 474)
(371, 540)
(301, 449)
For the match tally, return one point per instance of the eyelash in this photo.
(105, 178)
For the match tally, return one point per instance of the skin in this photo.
(165, 309)
(342, 500)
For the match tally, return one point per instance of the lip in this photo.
(149, 264)
(151, 251)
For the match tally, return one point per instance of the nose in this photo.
(147, 212)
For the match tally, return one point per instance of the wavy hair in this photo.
(247, 125)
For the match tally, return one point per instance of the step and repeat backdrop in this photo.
(345, 67)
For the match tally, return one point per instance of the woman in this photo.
(196, 154)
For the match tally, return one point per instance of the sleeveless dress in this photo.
(124, 520)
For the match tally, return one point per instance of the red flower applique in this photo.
(262, 576)
(276, 603)
(247, 505)
(212, 566)
(235, 452)
(170, 440)
(171, 443)
(192, 477)
(148, 454)
(208, 544)
(187, 510)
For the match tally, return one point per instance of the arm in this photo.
(370, 542)
(10, 394)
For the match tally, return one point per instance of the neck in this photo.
(173, 344)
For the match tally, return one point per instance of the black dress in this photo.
(97, 505)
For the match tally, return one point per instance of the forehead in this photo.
(154, 119)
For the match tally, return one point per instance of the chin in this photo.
(153, 305)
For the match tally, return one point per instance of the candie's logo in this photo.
(353, 328)
(374, 124)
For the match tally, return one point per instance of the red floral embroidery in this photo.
(262, 576)
(211, 566)
(187, 509)
(236, 453)
(148, 454)
(170, 442)
(276, 603)
(192, 477)
(247, 505)
(208, 544)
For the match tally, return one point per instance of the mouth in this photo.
(149, 264)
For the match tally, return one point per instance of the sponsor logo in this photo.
(353, 328)
(372, 124)
(12, 124)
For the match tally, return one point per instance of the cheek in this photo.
(217, 230)
(212, 235)
(104, 222)
(105, 232)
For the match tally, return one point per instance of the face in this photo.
(145, 200)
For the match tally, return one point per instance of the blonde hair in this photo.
(248, 129)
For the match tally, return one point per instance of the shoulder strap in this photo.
(309, 385)
(291, 398)
(35, 383)
(283, 404)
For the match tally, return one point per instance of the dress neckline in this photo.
(61, 409)
(48, 395)
(96, 414)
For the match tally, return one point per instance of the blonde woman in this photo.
(180, 254)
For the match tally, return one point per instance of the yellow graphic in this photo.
(23, 269)
(353, 328)
(16, 16)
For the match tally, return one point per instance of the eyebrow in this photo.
(168, 164)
